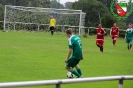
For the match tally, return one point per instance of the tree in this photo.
(106, 2)
(108, 21)
(28, 3)
(93, 9)
(1, 15)
(55, 4)
(68, 5)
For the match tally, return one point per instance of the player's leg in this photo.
(70, 64)
(130, 44)
(78, 69)
(101, 48)
(97, 43)
(101, 45)
(113, 39)
(52, 31)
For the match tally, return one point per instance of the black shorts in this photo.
(52, 28)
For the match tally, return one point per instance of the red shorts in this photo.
(101, 42)
(114, 36)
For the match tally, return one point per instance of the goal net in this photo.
(37, 19)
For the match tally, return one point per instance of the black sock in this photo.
(130, 46)
(98, 45)
(101, 48)
(52, 32)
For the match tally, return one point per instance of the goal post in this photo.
(35, 18)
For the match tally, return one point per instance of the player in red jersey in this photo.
(114, 33)
(100, 37)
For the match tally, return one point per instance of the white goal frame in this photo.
(13, 17)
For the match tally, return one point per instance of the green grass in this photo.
(31, 56)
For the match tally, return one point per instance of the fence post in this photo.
(38, 28)
(58, 85)
(88, 31)
(121, 83)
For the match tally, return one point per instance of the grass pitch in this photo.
(31, 56)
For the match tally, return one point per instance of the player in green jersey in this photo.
(129, 37)
(75, 48)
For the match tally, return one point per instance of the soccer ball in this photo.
(70, 75)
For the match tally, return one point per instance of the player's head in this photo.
(114, 24)
(51, 17)
(69, 32)
(130, 25)
(99, 25)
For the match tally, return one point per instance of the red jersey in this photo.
(114, 31)
(100, 31)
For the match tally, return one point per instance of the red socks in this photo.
(114, 42)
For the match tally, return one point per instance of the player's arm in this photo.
(103, 33)
(69, 51)
(125, 34)
(82, 57)
(69, 54)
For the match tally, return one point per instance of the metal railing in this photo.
(66, 81)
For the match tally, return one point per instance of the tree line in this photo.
(97, 11)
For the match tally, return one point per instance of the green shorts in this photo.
(72, 62)
(129, 40)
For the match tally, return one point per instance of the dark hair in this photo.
(130, 23)
(69, 31)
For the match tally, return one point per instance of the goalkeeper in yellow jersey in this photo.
(52, 24)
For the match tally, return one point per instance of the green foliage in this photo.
(121, 25)
(108, 20)
(106, 2)
(55, 4)
(31, 56)
(92, 8)
(1, 16)
(68, 5)
(28, 3)
(85, 35)
(129, 19)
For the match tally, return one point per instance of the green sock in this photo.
(76, 73)
(128, 46)
(79, 71)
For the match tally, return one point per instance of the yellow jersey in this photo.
(52, 22)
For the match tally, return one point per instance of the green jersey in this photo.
(76, 45)
(129, 33)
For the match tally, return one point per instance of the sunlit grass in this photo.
(29, 56)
